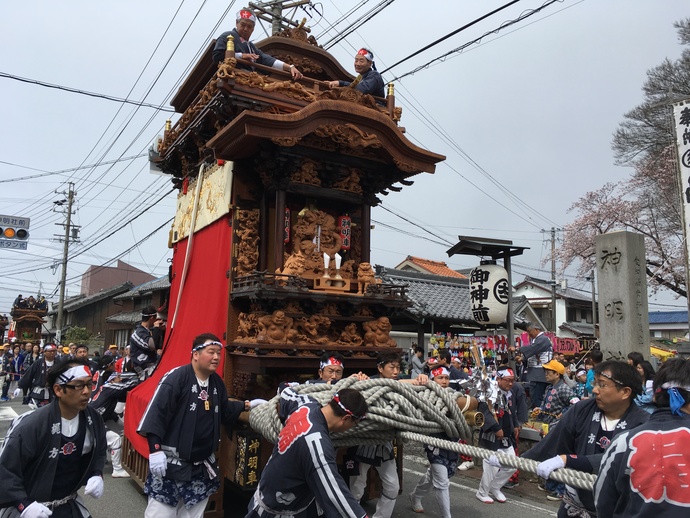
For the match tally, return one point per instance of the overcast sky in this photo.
(525, 119)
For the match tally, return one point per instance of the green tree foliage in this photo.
(77, 335)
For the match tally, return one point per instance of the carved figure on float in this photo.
(377, 333)
(350, 336)
(276, 328)
(365, 277)
(313, 329)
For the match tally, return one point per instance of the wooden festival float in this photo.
(271, 239)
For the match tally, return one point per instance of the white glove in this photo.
(256, 402)
(94, 487)
(17, 392)
(545, 468)
(158, 464)
(493, 461)
(36, 510)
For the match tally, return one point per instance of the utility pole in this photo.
(272, 12)
(553, 279)
(65, 253)
(594, 304)
(553, 276)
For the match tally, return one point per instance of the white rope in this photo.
(410, 413)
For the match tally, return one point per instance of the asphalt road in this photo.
(123, 497)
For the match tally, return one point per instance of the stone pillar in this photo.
(622, 283)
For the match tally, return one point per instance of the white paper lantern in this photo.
(489, 294)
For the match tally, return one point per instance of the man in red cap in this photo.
(244, 49)
(368, 80)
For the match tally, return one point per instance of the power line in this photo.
(445, 241)
(63, 171)
(456, 31)
(523, 16)
(84, 92)
(405, 232)
(358, 23)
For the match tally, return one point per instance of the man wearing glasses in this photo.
(182, 426)
(52, 452)
(583, 434)
(644, 471)
(301, 476)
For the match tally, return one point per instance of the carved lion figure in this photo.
(377, 333)
(365, 277)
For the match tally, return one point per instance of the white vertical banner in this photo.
(681, 118)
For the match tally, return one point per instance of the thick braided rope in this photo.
(409, 412)
(393, 406)
(571, 477)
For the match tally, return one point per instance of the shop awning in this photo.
(661, 353)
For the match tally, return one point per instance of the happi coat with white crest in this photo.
(171, 415)
(31, 453)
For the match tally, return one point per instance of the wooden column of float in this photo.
(366, 233)
(279, 219)
(263, 229)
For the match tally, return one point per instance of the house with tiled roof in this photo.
(417, 264)
(439, 304)
(89, 312)
(668, 324)
(573, 307)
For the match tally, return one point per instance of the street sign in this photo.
(14, 232)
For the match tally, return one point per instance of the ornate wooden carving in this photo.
(306, 173)
(350, 336)
(248, 326)
(347, 269)
(286, 141)
(299, 33)
(276, 328)
(365, 277)
(313, 330)
(348, 136)
(288, 88)
(353, 96)
(350, 183)
(377, 333)
(247, 231)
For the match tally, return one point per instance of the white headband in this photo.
(331, 361)
(78, 371)
(674, 384)
(366, 53)
(246, 15)
(439, 371)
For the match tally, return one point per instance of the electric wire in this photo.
(120, 100)
(523, 16)
(44, 173)
(194, 60)
(453, 33)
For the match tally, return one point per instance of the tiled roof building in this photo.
(417, 264)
